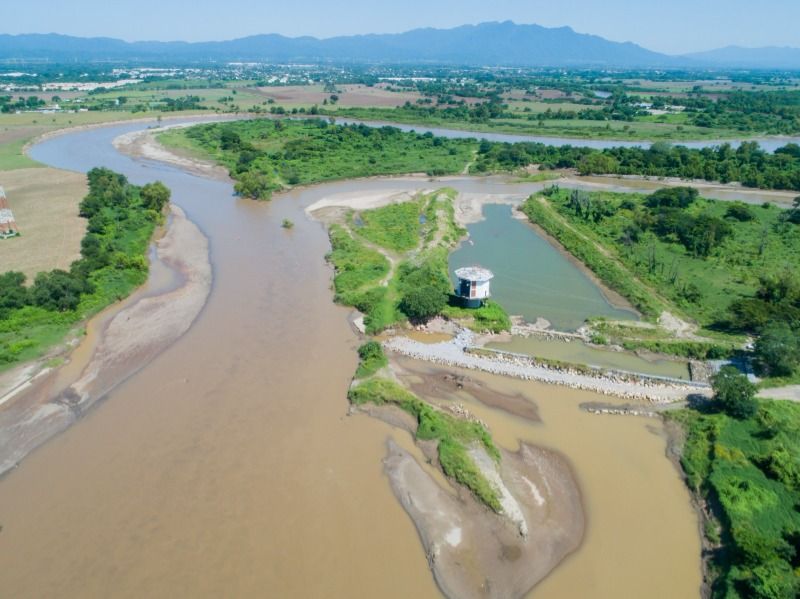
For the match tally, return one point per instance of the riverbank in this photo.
(143, 145)
(139, 331)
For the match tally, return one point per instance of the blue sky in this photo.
(672, 26)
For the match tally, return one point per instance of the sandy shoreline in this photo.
(131, 339)
(143, 145)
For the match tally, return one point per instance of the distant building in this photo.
(8, 226)
(473, 285)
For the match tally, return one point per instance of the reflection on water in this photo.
(531, 277)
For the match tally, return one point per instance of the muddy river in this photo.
(228, 465)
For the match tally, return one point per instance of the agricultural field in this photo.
(45, 205)
(17, 130)
(353, 95)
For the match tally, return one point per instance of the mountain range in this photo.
(485, 44)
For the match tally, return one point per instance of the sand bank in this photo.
(143, 145)
(131, 339)
(474, 552)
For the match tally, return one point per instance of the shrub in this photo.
(777, 350)
(734, 394)
(371, 358)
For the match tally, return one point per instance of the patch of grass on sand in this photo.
(358, 273)
(489, 317)
(454, 436)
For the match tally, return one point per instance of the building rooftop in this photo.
(474, 273)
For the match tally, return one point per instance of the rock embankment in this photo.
(635, 387)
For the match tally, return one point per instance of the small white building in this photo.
(8, 226)
(473, 285)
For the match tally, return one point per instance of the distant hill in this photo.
(486, 44)
(736, 56)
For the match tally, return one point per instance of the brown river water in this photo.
(228, 465)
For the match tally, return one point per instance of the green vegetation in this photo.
(673, 240)
(423, 230)
(747, 469)
(727, 266)
(697, 350)
(268, 155)
(734, 394)
(748, 164)
(425, 286)
(454, 436)
(359, 271)
(395, 227)
(544, 122)
(121, 219)
(777, 350)
(287, 224)
(371, 359)
(489, 317)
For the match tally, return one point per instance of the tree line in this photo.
(748, 164)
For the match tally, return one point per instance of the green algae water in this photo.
(579, 352)
(531, 277)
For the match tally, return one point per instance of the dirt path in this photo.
(790, 392)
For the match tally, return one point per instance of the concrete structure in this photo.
(473, 285)
(8, 226)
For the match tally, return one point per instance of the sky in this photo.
(673, 27)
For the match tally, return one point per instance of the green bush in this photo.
(424, 289)
(734, 394)
(371, 359)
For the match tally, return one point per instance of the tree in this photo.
(155, 196)
(425, 290)
(734, 394)
(739, 211)
(777, 350)
(13, 293)
(672, 197)
(58, 290)
(254, 185)
(423, 302)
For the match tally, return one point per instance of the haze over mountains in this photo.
(506, 44)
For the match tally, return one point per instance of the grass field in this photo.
(45, 205)
(16, 130)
